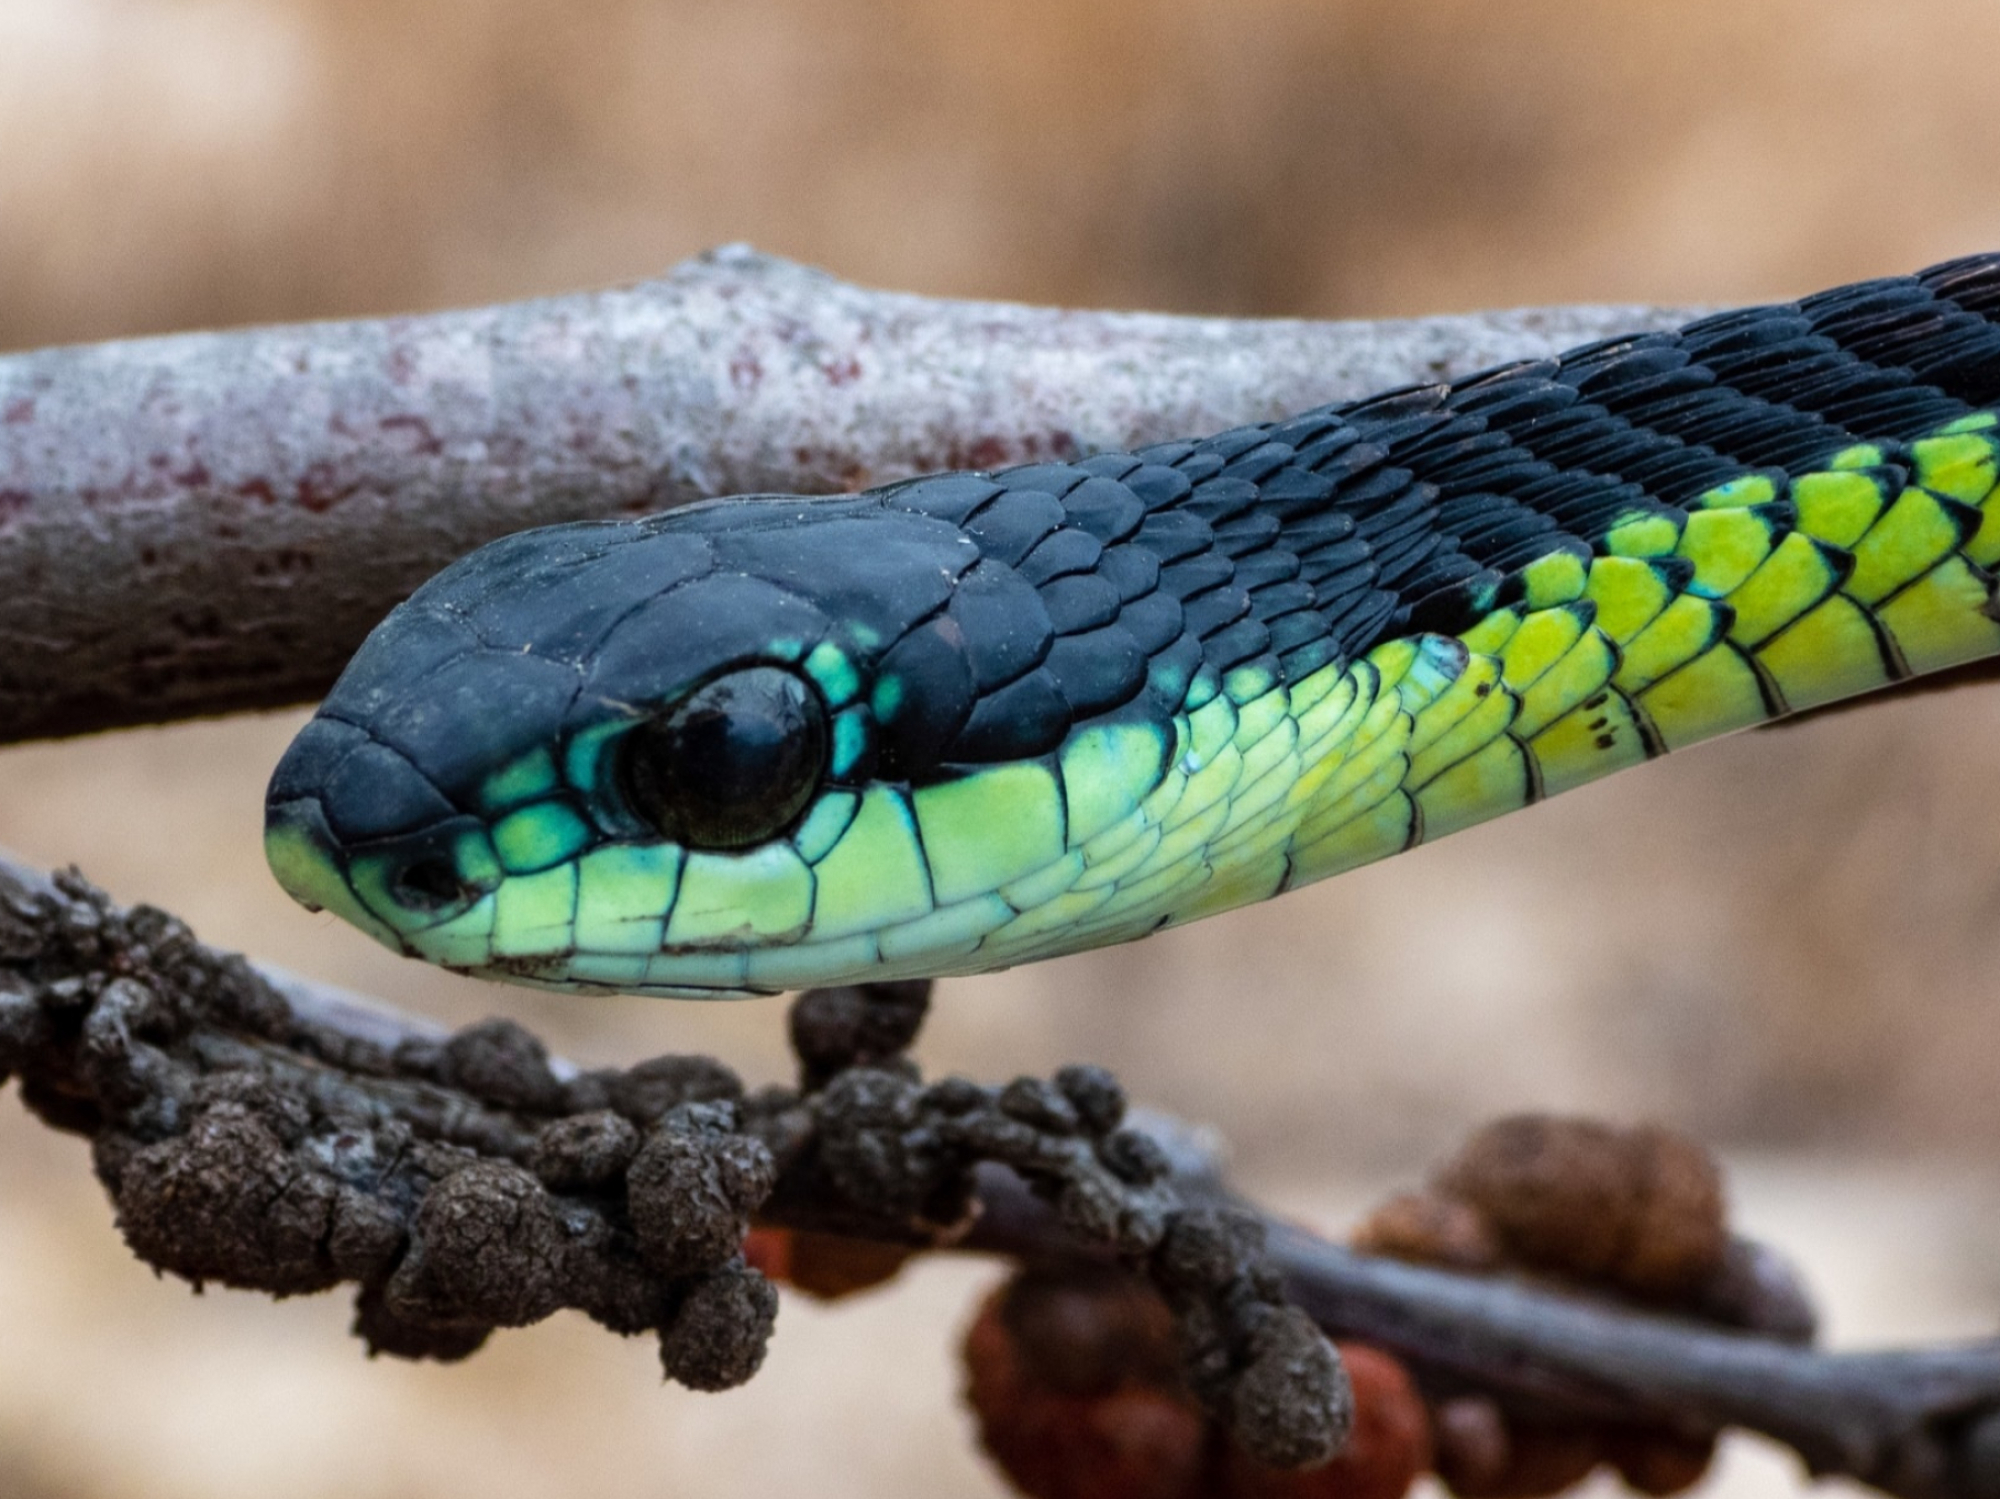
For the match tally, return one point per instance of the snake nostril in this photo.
(430, 884)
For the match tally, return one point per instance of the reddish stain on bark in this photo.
(423, 439)
(842, 371)
(982, 452)
(318, 489)
(847, 471)
(258, 489)
(13, 502)
(991, 451)
(19, 413)
(284, 560)
(746, 371)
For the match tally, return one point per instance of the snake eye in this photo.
(732, 765)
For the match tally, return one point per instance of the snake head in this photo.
(733, 749)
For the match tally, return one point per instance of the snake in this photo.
(977, 719)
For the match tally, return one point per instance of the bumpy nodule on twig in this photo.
(466, 1183)
(887, 1140)
(460, 1183)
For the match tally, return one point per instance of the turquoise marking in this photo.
(887, 697)
(850, 740)
(828, 665)
(536, 837)
(1751, 489)
(583, 759)
(532, 775)
(1205, 685)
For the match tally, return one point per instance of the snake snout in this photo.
(353, 827)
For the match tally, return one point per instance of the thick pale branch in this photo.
(212, 521)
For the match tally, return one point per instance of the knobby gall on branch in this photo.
(465, 1183)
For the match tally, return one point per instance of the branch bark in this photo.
(212, 521)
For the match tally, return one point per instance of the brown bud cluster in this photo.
(824, 1266)
(1076, 1378)
(1483, 1453)
(1638, 1213)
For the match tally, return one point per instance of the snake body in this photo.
(976, 719)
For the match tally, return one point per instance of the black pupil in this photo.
(732, 765)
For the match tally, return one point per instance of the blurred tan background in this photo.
(1787, 943)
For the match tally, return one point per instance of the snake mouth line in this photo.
(567, 985)
(552, 973)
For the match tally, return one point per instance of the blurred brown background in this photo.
(1788, 943)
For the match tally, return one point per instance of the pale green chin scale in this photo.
(310, 876)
